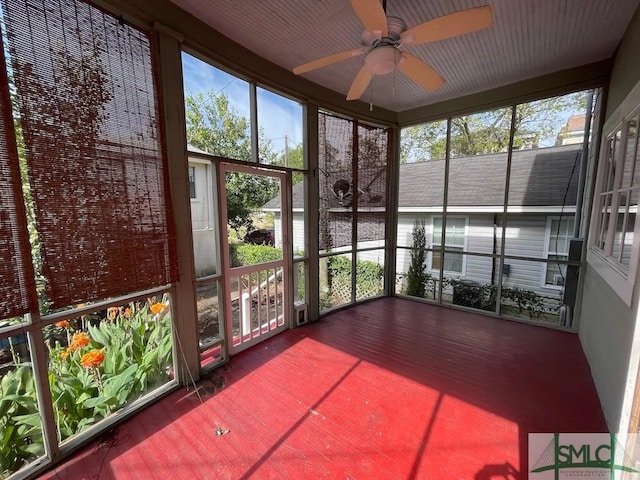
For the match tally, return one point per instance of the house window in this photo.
(454, 241)
(613, 253)
(618, 197)
(192, 182)
(559, 233)
(627, 189)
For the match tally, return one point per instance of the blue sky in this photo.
(278, 116)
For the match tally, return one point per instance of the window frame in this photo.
(548, 251)
(435, 245)
(620, 278)
(191, 176)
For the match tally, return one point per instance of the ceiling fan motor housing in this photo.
(384, 55)
(395, 27)
(382, 60)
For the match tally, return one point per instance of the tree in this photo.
(213, 125)
(292, 157)
(536, 123)
(246, 193)
(417, 275)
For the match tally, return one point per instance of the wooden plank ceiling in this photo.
(528, 39)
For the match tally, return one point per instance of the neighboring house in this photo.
(573, 131)
(542, 198)
(203, 217)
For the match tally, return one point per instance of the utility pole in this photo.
(286, 151)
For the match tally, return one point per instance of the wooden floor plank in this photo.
(387, 389)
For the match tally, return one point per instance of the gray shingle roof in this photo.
(539, 177)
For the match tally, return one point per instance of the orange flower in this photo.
(79, 340)
(127, 312)
(158, 307)
(92, 359)
(112, 312)
(63, 324)
(65, 353)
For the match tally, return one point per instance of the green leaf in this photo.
(109, 362)
(33, 419)
(36, 448)
(98, 336)
(84, 396)
(8, 435)
(14, 398)
(114, 384)
(95, 402)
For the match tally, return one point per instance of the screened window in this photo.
(559, 232)
(454, 242)
(352, 165)
(217, 111)
(618, 197)
(613, 251)
(86, 227)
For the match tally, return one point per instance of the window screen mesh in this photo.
(89, 112)
(17, 291)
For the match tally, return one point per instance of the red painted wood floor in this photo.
(390, 389)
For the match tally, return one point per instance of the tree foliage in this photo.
(417, 276)
(215, 126)
(536, 123)
(292, 157)
(246, 193)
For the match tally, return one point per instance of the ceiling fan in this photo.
(384, 36)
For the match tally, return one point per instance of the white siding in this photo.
(478, 269)
(298, 231)
(202, 221)
(525, 236)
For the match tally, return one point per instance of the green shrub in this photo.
(472, 294)
(525, 300)
(417, 277)
(483, 296)
(339, 265)
(369, 278)
(248, 254)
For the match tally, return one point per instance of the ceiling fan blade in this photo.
(360, 83)
(324, 61)
(420, 72)
(372, 16)
(447, 26)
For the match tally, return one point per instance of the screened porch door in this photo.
(257, 298)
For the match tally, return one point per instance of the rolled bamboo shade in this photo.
(353, 160)
(17, 289)
(92, 130)
(374, 156)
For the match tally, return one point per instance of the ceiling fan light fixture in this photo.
(382, 60)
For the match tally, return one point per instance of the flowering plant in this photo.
(92, 359)
(108, 361)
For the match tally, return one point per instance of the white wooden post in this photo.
(246, 314)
